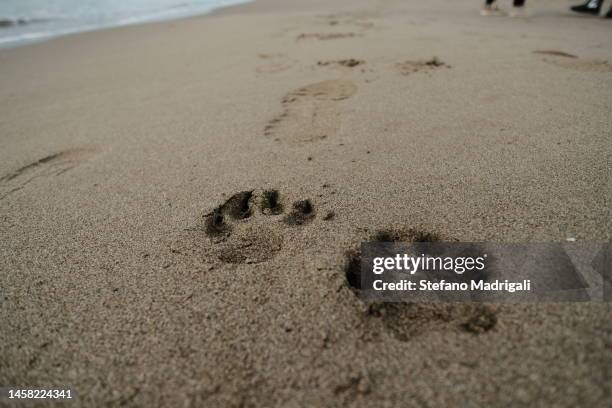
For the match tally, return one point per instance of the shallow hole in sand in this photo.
(270, 202)
(238, 206)
(303, 212)
(215, 223)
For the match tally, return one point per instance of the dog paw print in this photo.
(248, 227)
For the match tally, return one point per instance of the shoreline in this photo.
(165, 16)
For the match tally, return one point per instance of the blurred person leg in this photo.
(518, 9)
(491, 9)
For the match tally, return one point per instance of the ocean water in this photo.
(23, 21)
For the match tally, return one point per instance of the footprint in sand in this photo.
(326, 36)
(573, 62)
(360, 21)
(406, 321)
(346, 26)
(274, 63)
(348, 67)
(310, 113)
(411, 67)
(49, 166)
(343, 63)
(247, 228)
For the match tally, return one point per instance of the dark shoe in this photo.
(590, 7)
(609, 15)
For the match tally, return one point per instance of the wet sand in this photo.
(177, 202)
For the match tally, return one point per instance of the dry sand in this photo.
(117, 144)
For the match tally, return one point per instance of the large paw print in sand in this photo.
(310, 113)
(406, 321)
(247, 227)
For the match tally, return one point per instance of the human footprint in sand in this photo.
(491, 9)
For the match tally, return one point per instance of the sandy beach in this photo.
(177, 201)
